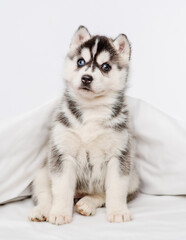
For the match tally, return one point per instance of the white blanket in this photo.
(160, 155)
(155, 218)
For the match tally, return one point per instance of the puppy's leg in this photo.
(42, 195)
(63, 189)
(88, 204)
(116, 193)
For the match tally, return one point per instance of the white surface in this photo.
(160, 150)
(155, 217)
(35, 36)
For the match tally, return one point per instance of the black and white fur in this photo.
(91, 149)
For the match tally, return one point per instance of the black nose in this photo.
(86, 79)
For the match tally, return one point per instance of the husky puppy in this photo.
(90, 149)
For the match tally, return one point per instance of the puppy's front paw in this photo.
(85, 207)
(39, 213)
(59, 217)
(119, 216)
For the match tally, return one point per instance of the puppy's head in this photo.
(96, 65)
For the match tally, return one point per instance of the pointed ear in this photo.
(122, 45)
(80, 36)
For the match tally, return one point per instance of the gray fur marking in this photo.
(82, 185)
(125, 161)
(63, 119)
(90, 167)
(120, 126)
(132, 196)
(116, 109)
(72, 105)
(56, 160)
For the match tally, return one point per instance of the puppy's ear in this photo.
(122, 45)
(80, 36)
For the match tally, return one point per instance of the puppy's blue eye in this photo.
(81, 62)
(105, 67)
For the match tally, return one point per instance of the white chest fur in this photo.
(91, 145)
(92, 155)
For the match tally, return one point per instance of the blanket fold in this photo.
(160, 150)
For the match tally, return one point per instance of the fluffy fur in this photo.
(90, 149)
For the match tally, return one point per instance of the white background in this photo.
(35, 35)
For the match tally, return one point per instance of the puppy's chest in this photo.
(95, 139)
(89, 132)
(93, 127)
(92, 157)
(91, 171)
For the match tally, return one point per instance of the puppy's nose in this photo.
(86, 79)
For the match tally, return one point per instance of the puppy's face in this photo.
(96, 65)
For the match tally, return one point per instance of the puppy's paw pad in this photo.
(85, 207)
(39, 214)
(119, 217)
(59, 219)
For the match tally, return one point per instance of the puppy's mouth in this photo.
(88, 91)
(86, 88)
